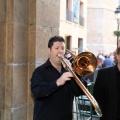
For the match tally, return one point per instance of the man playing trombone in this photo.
(53, 86)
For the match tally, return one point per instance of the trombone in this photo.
(84, 64)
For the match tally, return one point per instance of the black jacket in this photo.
(52, 102)
(105, 92)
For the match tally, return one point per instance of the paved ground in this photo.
(82, 108)
(86, 119)
(78, 117)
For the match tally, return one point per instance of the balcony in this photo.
(69, 17)
(81, 20)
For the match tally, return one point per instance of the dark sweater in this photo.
(118, 88)
(106, 93)
(52, 102)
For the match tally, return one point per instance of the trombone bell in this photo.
(85, 63)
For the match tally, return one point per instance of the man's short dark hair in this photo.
(55, 39)
(118, 51)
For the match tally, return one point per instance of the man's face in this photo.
(57, 48)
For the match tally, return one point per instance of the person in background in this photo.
(53, 86)
(107, 62)
(99, 63)
(112, 57)
(69, 57)
(107, 90)
(100, 59)
(101, 56)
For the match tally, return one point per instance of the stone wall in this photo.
(25, 27)
(101, 24)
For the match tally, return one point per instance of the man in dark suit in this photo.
(107, 90)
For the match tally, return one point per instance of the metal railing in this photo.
(83, 108)
(81, 20)
(70, 17)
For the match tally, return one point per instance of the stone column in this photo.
(25, 28)
(2, 57)
(16, 59)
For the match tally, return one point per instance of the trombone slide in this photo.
(86, 92)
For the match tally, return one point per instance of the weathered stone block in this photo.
(20, 43)
(21, 11)
(48, 14)
(2, 86)
(20, 83)
(2, 42)
(3, 11)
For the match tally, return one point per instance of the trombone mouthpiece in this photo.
(59, 55)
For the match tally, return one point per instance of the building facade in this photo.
(101, 24)
(73, 14)
(89, 25)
